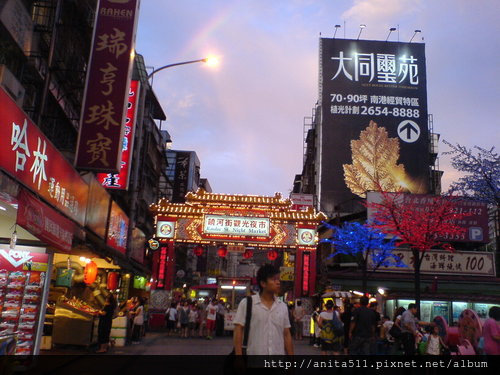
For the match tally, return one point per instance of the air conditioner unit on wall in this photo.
(10, 83)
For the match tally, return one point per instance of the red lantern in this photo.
(90, 273)
(248, 254)
(198, 250)
(113, 278)
(222, 251)
(272, 255)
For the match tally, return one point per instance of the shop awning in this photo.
(205, 286)
(337, 294)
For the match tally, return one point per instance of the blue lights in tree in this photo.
(364, 243)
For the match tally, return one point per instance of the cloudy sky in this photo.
(245, 117)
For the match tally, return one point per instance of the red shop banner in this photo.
(119, 181)
(108, 79)
(118, 229)
(44, 222)
(28, 156)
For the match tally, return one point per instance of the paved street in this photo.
(157, 343)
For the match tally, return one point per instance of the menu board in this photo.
(20, 298)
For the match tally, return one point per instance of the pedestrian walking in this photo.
(491, 332)
(193, 320)
(184, 312)
(346, 317)
(171, 319)
(298, 314)
(269, 325)
(385, 339)
(105, 323)
(138, 322)
(409, 330)
(362, 330)
(316, 330)
(332, 330)
(374, 340)
(211, 318)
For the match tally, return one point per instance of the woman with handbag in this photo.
(395, 331)
(332, 331)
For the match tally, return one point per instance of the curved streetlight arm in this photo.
(176, 64)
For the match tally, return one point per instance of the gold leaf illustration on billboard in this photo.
(374, 163)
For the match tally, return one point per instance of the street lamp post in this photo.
(209, 60)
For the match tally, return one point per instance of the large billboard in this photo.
(374, 127)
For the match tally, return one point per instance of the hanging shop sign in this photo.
(306, 237)
(118, 229)
(44, 222)
(302, 202)
(165, 229)
(138, 245)
(28, 156)
(236, 249)
(100, 139)
(97, 212)
(236, 225)
(287, 273)
(153, 244)
(472, 263)
(120, 181)
(23, 258)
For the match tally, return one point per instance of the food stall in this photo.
(75, 323)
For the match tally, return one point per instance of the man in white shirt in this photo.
(269, 325)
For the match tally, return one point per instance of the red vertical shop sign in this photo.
(119, 181)
(105, 101)
(28, 156)
(306, 273)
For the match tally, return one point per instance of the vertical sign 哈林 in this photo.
(100, 138)
(119, 181)
(374, 130)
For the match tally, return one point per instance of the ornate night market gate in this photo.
(241, 222)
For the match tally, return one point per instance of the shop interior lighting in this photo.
(357, 293)
(226, 287)
(3, 208)
(240, 287)
(381, 291)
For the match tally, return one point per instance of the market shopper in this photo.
(298, 314)
(184, 312)
(491, 332)
(331, 341)
(171, 319)
(269, 324)
(105, 323)
(138, 321)
(409, 330)
(211, 318)
(362, 329)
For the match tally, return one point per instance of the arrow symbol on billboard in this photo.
(408, 131)
(409, 128)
